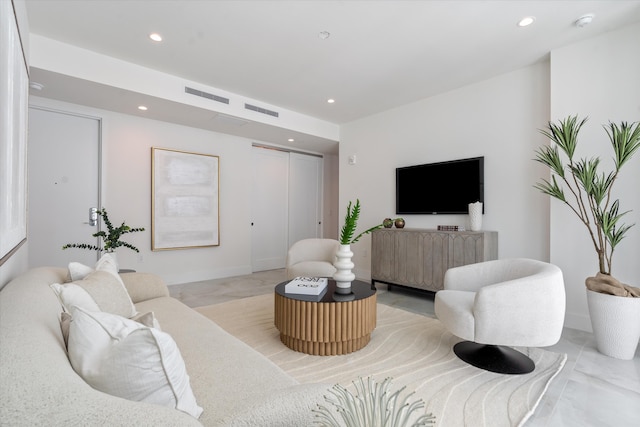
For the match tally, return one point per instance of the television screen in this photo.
(440, 188)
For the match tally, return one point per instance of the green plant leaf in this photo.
(590, 188)
(110, 238)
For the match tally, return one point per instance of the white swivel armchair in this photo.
(312, 258)
(495, 304)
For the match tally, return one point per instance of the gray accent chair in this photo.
(496, 305)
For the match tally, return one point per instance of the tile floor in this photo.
(591, 390)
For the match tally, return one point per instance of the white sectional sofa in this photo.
(234, 384)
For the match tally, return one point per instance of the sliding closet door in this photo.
(286, 204)
(270, 210)
(305, 197)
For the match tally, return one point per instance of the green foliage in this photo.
(588, 191)
(350, 224)
(111, 238)
(373, 405)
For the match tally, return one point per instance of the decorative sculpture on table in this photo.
(344, 276)
(373, 405)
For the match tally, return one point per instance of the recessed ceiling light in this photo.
(331, 100)
(36, 86)
(291, 140)
(324, 35)
(155, 37)
(584, 20)
(142, 107)
(526, 21)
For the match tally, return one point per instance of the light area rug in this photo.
(415, 351)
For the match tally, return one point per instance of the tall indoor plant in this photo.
(343, 275)
(587, 191)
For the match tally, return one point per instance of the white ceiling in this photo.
(380, 54)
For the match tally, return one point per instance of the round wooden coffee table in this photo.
(323, 326)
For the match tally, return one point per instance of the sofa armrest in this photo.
(144, 286)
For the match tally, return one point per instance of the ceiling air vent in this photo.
(261, 110)
(202, 94)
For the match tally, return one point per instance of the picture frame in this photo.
(185, 205)
(13, 138)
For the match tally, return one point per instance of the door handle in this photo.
(93, 216)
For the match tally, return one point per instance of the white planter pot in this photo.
(616, 324)
(343, 275)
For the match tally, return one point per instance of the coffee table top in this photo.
(360, 290)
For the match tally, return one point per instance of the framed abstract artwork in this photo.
(185, 205)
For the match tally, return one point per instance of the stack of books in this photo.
(306, 285)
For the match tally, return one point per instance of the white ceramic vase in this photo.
(475, 216)
(616, 324)
(343, 275)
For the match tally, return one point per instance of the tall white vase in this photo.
(475, 216)
(343, 275)
(616, 324)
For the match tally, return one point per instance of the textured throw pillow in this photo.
(126, 359)
(107, 262)
(99, 291)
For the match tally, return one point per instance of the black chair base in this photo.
(494, 358)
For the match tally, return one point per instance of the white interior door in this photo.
(64, 171)
(269, 209)
(305, 197)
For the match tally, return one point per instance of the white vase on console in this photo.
(343, 275)
(475, 216)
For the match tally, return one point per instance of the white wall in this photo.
(126, 192)
(497, 119)
(599, 78)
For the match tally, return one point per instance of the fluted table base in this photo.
(325, 328)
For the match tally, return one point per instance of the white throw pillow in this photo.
(99, 291)
(123, 358)
(146, 319)
(107, 262)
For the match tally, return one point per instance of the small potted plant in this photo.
(110, 238)
(613, 306)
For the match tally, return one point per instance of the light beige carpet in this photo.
(412, 349)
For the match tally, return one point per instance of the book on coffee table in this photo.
(306, 285)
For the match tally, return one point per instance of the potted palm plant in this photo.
(343, 275)
(614, 307)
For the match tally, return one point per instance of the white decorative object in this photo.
(616, 324)
(344, 276)
(475, 216)
(372, 405)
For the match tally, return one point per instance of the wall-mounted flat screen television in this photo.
(440, 188)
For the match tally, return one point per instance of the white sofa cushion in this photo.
(124, 358)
